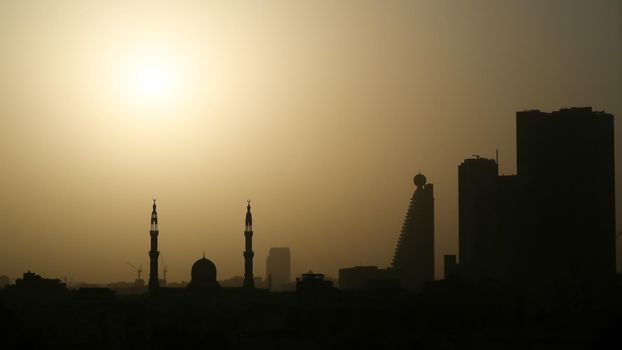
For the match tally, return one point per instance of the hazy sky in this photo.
(320, 112)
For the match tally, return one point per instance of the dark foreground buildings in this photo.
(552, 224)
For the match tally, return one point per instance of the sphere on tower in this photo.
(420, 180)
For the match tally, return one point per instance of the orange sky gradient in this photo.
(320, 112)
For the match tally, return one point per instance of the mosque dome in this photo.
(203, 271)
(419, 180)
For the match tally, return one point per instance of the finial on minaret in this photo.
(249, 217)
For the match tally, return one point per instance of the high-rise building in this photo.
(278, 268)
(565, 162)
(154, 253)
(477, 215)
(553, 224)
(248, 252)
(413, 262)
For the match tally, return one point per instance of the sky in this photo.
(319, 112)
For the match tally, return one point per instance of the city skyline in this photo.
(320, 114)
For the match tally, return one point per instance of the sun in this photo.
(153, 80)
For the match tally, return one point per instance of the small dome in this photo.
(203, 271)
(419, 180)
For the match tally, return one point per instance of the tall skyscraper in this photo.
(278, 268)
(477, 216)
(565, 160)
(413, 262)
(551, 226)
(248, 252)
(154, 284)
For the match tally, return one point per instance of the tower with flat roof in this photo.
(278, 270)
(565, 160)
(477, 215)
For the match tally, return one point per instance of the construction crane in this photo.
(138, 269)
(165, 268)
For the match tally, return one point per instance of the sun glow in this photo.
(153, 79)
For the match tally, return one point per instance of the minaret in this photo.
(154, 285)
(248, 253)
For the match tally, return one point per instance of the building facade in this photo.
(552, 225)
(565, 162)
(413, 262)
(278, 268)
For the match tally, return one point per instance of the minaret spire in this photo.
(154, 284)
(248, 253)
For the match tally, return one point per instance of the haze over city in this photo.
(318, 112)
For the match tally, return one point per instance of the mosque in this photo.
(203, 272)
(203, 275)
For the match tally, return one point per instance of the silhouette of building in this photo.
(353, 278)
(203, 275)
(488, 231)
(249, 282)
(4, 280)
(413, 262)
(154, 253)
(553, 224)
(477, 216)
(362, 277)
(278, 268)
(450, 266)
(32, 280)
(33, 285)
(313, 282)
(565, 162)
